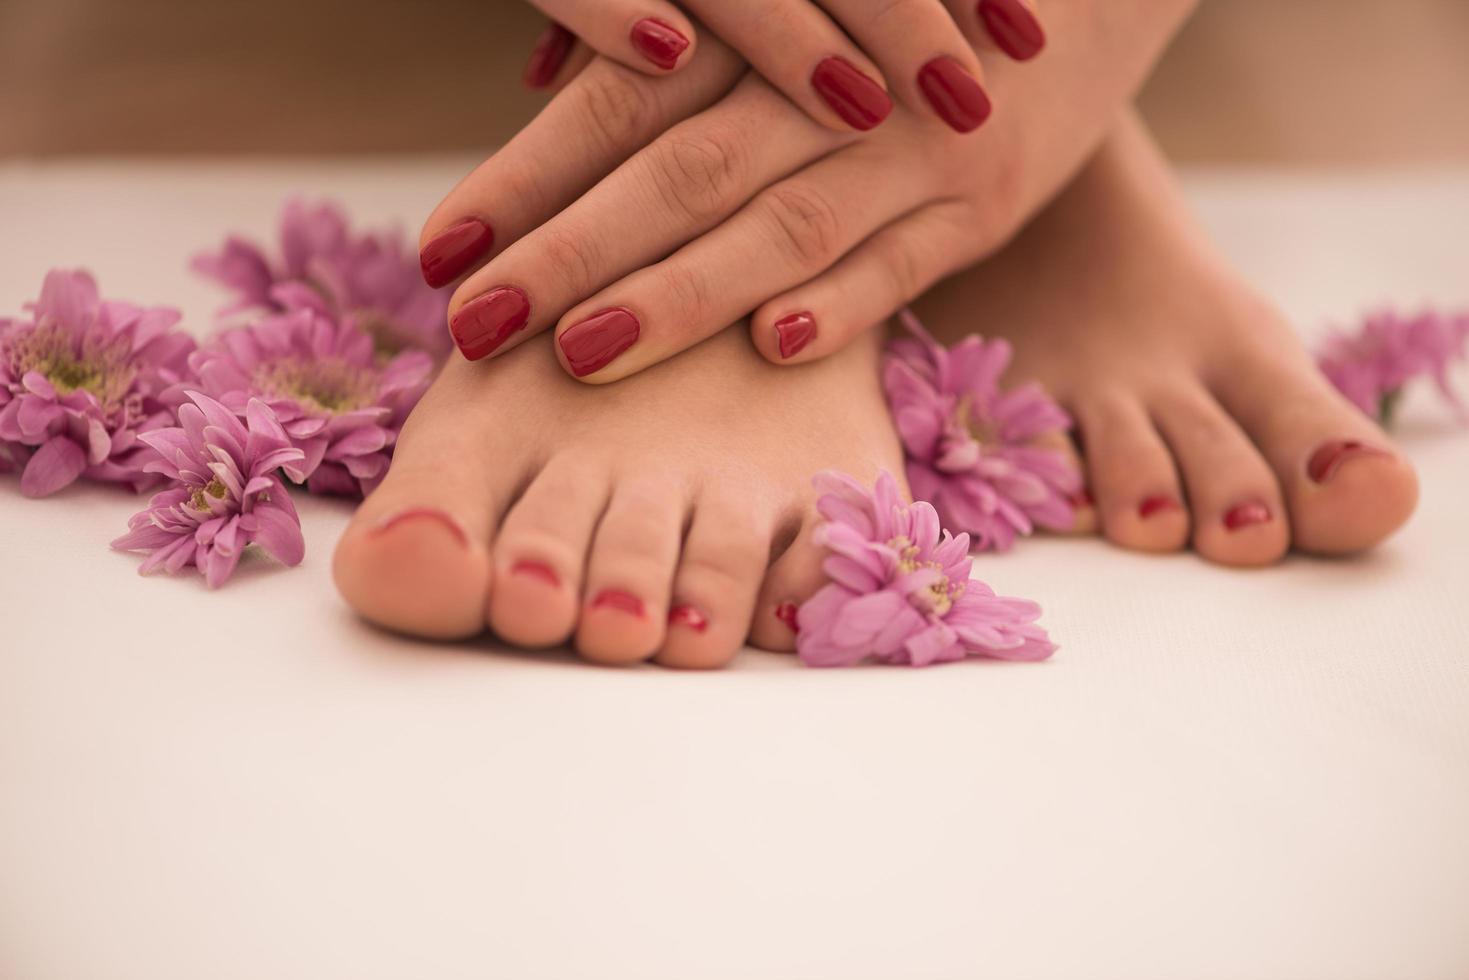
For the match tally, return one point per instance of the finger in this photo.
(788, 234)
(802, 52)
(685, 183)
(880, 276)
(651, 36)
(1011, 27)
(602, 117)
(924, 55)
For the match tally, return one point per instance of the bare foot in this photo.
(1200, 414)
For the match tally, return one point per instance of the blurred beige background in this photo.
(1296, 82)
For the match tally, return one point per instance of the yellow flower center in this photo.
(214, 488)
(331, 385)
(50, 351)
(939, 597)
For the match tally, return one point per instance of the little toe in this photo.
(793, 578)
(540, 553)
(1132, 475)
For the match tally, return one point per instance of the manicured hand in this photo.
(842, 61)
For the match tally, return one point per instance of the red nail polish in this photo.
(598, 340)
(548, 56)
(1152, 505)
(1082, 499)
(485, 322)
(861, 102)
(1013, 27)
(454, 250)
(786, 613)
(619, 600)
(537, 569)
(422, 513)
(658, 42)
(794, 332)
(1329, 458)
(688, 616)
(1246, 514)
(955, 94)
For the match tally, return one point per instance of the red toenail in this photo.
(598, 340)
(414, 513)
(794, 332)
(537, 569)
(786, 613)
(454, 250)
(548, 57)
(1329, 458)
(1152, 505)
(619, 600)
(1246, 514)
(688, 616)
(658, 42)
(1083, 498)
(486, 322)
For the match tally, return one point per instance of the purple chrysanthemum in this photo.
(900, 590)
(339, 403)
(372, 277)
(226, 495)
(970, 447)
(1372, 365)
(80, 381)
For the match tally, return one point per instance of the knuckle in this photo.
(618, 107)
(698, 174)
(575, 259)
(805, 224)
(688, 293)
(902, 13)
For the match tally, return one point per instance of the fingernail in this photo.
(454, 250)
(688, 616)
(1013, 27)
(538, 570)
(1152, 505)
(794, 332)
(955, 94)
(861, 102)
(1329, 458)
(485, 322)
(786, 613)
(598, 340)
(421, 513)
(548, 56)
(1082, 498)
(620, 601)
(658, 42)
(1247, 514)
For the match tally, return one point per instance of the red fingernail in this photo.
(598, 340)
(422, 513)
(485, 322)
(786, 613)
(537, 569)
(688, 616)
(1246, 514)
(619, 600)
(548, 56)
(794, 332)
(1329, 458)
(454, 250)
(658, 42)
(1152, 505)
(861, 102)
(1083, 498)
(955, 94)
(1013, 27)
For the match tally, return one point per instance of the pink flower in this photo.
(340, 404)
(1372, 365)
(969, 445)
(372, 277)
(226, 493)
(81, 381)
(900, 590)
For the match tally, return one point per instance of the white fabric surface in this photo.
(1246, 775)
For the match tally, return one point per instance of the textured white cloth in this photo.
(1246, 775)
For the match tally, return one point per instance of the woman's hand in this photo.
(841, 61)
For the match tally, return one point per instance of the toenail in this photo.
(1153, 505)
(537, 569)
(598, 340)
(786, 613)
(620, 601)
(1329, 458)
(794, 332)
(1247, 514)
(658, 42)
(1082, 499)
(454, 250)
(485, 322)
(688, 616)
(415, 513)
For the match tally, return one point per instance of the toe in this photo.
(630, 570)
(793, 578)
(540, 553)
(1132, 475)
